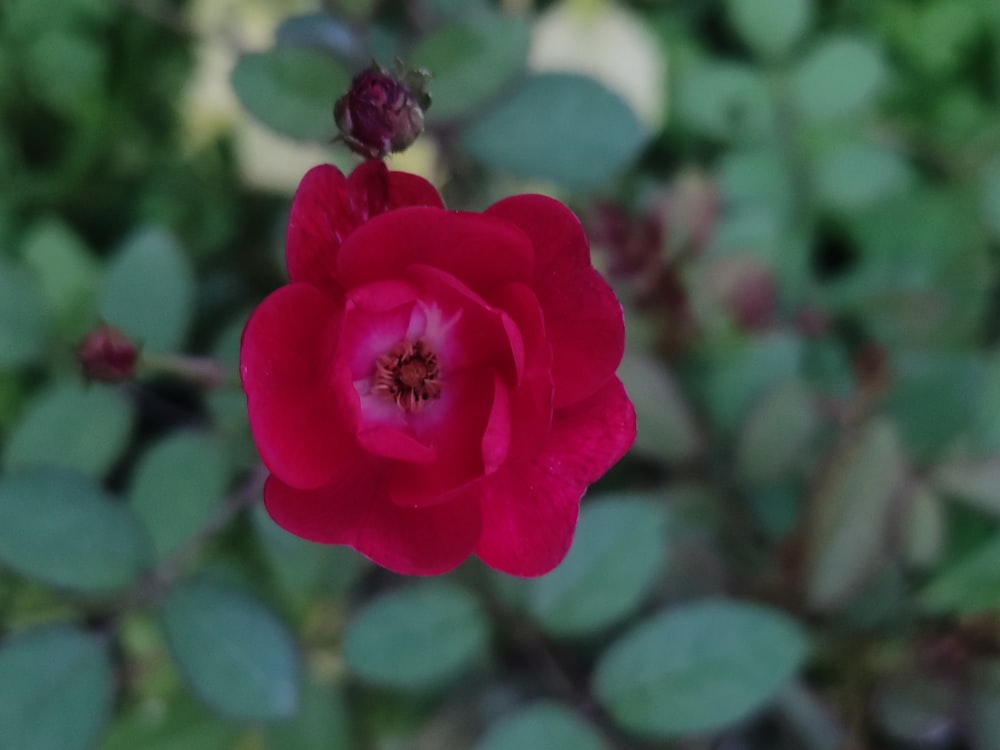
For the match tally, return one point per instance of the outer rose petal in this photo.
(583, 318)
(354, 509)
(479, 251)
(530, 510)
(301, 427)
(327, 207)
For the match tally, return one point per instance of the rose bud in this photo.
(381, 113)
(106, 355)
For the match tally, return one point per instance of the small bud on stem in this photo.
(106, 355)
(382, 113)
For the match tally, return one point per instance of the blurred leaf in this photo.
(322, 723)
(698, 667)
(233, 652)
(930, 399)
(176, 486)
(59, 689)
(416, 637)
(60, 527)
(560, 127)
(971, 584)
(985, 437)
(666, 427)
(916, 710)
(24, 319)
(726, 101)
(542, 725)
(777, 433)
(291, 90)
(770, 27)
(923, 527)
(68, 273)
(72, 426)
(839, 77)
(852, 176)
(325, 32)
(850, 506)
(976, 482)
(66, 68)
(471, 63)
(740, 371)
(990, 196)
(149, 291)
(620, 547)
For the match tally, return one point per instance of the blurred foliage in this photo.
(799, 205)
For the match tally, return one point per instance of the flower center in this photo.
(409, 375)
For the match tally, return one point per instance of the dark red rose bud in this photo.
(382, 113)
(106, 355)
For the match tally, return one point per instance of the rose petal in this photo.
(583, 318)
(327, 207)
(354, 509)
(531, 402)
(481, 252)
(302, 419)
(530, 509)
(468, 428)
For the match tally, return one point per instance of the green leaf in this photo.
(666, 426)
(976, 482)
(560, 127)
(543, 725)
(770, 27)
(922, 532)
(60, 527)
(971, 584)
(233, 652)
(68, 273)
(416, 637)
(989, 200)
(841, 76)
(698, 667)
(852, 176)
(619, 549)
(71, 426)
(777, 433)
(149, 291)
(58, 693)
(24, 318)
(738, 373)
(726, 101)
(176, 487)
(471, 63)
(291, 90)
(321, 724)
(851, 512)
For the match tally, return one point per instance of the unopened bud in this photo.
(106, 355)
(382, 113)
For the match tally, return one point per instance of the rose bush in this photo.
(431, 383)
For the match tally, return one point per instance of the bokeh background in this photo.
(798, 202)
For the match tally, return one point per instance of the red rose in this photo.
(432, 383)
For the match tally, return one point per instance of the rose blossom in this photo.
(433, 384)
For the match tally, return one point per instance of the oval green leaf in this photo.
(71, 426)
(176, 487)
(726, 101)
(560, 127)
(619, 549)
(851, 506)
(233, 652)
(699, 667)
(321, 724)
(149, 290)
(770, 27)
(852, 176)
(470, 63)
(291, 90)
(24, 318)
(543, 725)
(416, 637)
(838, 78)
(777, 433)
(59, 690)
(58, 526)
